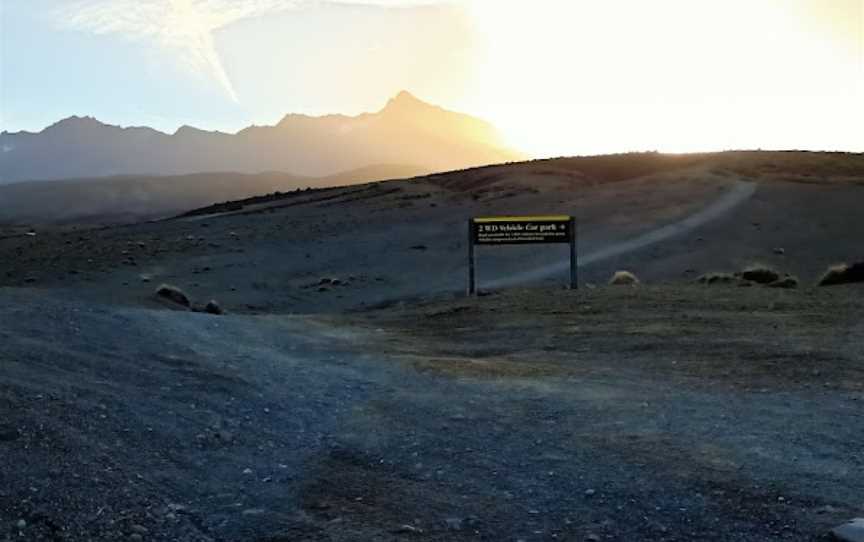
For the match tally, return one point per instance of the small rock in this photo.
(253, 511)
(593, 538)
(779, 251)
(247, 471)
(21, 524)
(140, 529)
(590, 492)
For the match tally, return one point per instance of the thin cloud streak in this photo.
(183, 26)
(186, 27)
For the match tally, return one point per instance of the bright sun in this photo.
(668, 75)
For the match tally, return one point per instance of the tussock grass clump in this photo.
(213, 307)
(624, 278)
(788, 282)
(843, 274)
(760, 274)
(174, 295)
(712, 279)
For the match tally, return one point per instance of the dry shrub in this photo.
(788, 282)
(624, 278)
(213, 307)
(760, 274)
(712, 279)
(174, 295)
(843, 274)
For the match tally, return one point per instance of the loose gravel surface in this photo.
(661, 413)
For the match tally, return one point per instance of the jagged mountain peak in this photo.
(405, 101)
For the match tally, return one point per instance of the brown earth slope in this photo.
(353, 393)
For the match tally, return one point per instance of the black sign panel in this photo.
(522, 230)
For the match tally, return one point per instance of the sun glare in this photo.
(669, 75)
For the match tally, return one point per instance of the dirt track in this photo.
(737, 194)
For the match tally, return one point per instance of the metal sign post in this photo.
(472, 277)
(520, 230)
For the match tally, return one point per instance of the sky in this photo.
(557, 77)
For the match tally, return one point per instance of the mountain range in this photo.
(406, 131)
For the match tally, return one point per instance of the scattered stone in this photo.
(850, 532)
(593, 538)
(253, 511)
(779, 251)
(590, 492)
(174, 295)
(21, 523)
(140, 529)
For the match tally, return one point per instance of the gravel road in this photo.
(444, 422)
